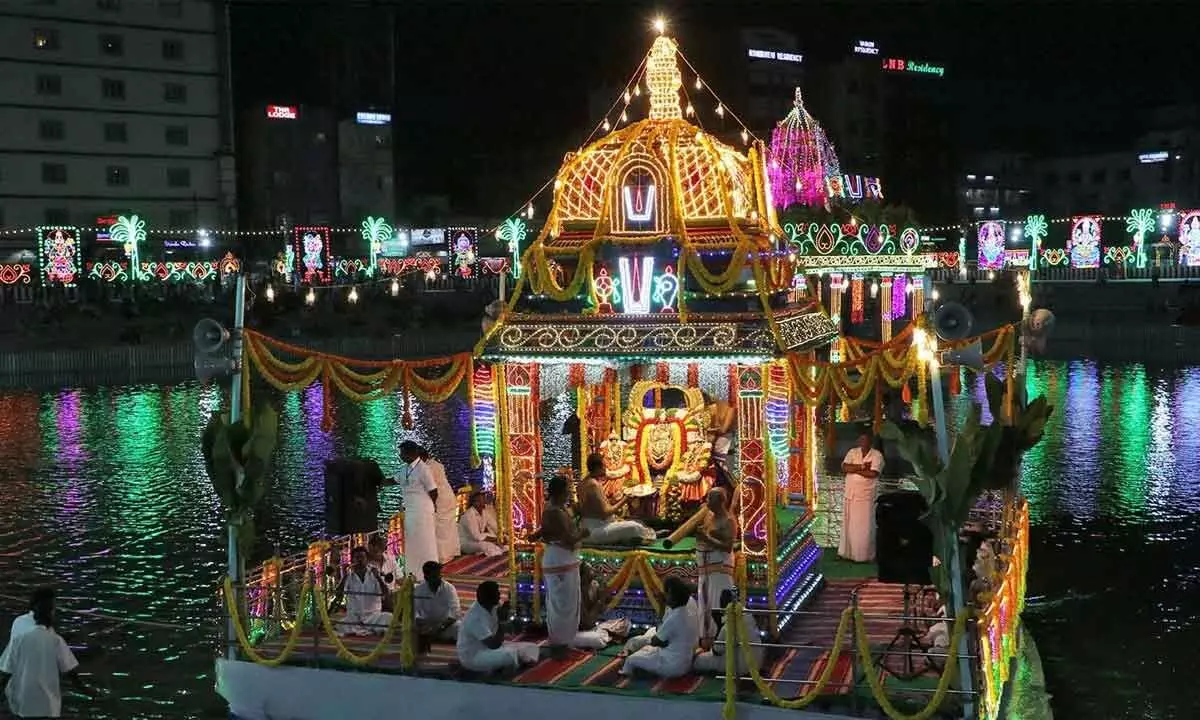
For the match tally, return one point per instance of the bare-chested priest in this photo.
(599, 517)
(714, 558)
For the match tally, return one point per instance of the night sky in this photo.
(503, 86)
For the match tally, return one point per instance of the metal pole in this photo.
(956, 585)
(235, 415)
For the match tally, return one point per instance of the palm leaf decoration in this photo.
(130, 232)
(513, 231)
(375, 230)
(1140, 222)
(1035, 229)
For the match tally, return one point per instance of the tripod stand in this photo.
(907, 642)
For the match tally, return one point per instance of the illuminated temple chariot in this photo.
(665, 319)
(660, 298)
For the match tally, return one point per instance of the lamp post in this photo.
(233, 562)
(926, 352)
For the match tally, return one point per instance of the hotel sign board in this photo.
(282, 112)
(916, 67)
(778, 55)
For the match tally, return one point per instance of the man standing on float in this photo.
(862, 466)
(420, 501)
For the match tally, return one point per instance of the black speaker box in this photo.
(352, 496)
(903, 543)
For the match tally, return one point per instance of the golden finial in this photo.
(664, 80)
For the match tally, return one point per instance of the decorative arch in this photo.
(642, 195)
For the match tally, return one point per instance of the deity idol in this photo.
(313, 244)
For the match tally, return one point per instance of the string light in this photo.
(529, 212)
(660, 25)
(607, 125)
(395, 288)
(270, 294)
(699, 83)
(310, 298)
(353, 296)
(720, 110)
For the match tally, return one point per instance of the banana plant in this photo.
(238, 458)
(1018, 433)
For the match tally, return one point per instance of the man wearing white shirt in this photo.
(667, 651)
(379, 558)
(476, 530)
(362, 591)
(420, 514)
(33, 663)
(862, 466)
(481, 647)
(436, 607)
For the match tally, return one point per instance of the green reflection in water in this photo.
(139, 445)
(48, 427)
(1037, 473)
(1132, 436)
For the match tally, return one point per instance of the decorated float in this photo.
(665, 307)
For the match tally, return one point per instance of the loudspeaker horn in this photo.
(209, 336)
(952, 322)
(970, 356)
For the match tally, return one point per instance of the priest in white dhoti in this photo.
(714, 558)
(420, 498)
(667, 651)
(560, 566)
(599, 517)
(712, 661)
(481, 647)
(445, 511)
(477, 531)
(862, 466)
(436, 608)
(362, 591)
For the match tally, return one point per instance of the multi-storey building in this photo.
(114, 107)
(365, 166)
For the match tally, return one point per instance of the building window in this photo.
(175, 92)
(57, 216)
(49, 85)
(112, 89)
(1099, 177)
(51, 130)
(183, 219)
(115, 132)
(54, 174)
(177, 135)
(112, 45)
(109, 5)
(179, 177)
(170, 8)
(45, 39)
(172, 49)
(116, 175)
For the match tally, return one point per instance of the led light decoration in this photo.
(464, 251)
(229, 265)
(107, 271)
(910, 240)
(605, 290)
(636, 285)
(58, 255)
(856, 298)
(800, 158)
(130, 232)
(991, 245)
(886, 311)
(350, 267)
(1035, 230)
(14, 273)
(312, 256)
(663, 79)
(1055, 257)
(179, 271)
(666, 290)
(899, 296)
(1083, 244)
(917, 283)
(513, 231)
(1140, 222)
(1189, 238)
(375, 231)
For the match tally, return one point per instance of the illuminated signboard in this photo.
(1154, 157)
(102, 226)
(396, 245)
(373, 118)
(427, 236)
(866, 47)
(282, 112)
(776, 55)
(853, 187)
(913, 66)
(180, 244)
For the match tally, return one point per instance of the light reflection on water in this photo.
(105, 494)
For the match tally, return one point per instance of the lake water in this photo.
(104, 494)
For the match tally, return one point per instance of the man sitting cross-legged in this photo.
(481, 646)
(435, 608)
(666, 651)
(366, 589)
